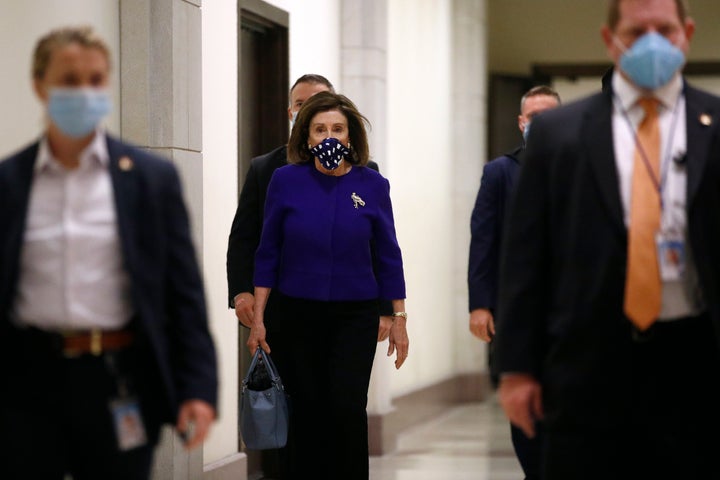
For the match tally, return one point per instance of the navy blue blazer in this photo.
(166, 285)
(486, 225)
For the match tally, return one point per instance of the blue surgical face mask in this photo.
(78, 111)
(330, 152)
(293, 119)
(651, 61)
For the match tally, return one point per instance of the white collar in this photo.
(628, 94)
(96, 150)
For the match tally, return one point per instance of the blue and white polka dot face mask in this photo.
(330, 152)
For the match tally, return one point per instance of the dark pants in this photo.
(55, 417)
(670, 429)
(528, 451)
(324, 353)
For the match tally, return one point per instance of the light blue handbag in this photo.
(264, 411)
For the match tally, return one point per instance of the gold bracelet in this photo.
(400, 314)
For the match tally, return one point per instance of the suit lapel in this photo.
(597, 141)
(15, 199)
(125, 189)
(700, 121)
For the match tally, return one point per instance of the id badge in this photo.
(129, 427)
(671, 255)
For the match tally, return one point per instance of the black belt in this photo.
(663, 328)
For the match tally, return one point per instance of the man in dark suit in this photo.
(103, 328)
(610, 277)
(486, 226)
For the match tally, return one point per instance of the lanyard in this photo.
(664, 159)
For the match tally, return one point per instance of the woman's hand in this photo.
(257, 328)
(257, 336)
(399, 341)
(386, 322)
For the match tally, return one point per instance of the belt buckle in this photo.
(96, 342)
(95, 347)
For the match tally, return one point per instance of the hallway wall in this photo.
(523, 32)
(219, 179)
(21, 25)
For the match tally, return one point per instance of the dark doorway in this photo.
(263, 80)
(263, 72)
(504, 94)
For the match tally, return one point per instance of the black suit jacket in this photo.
(166, 286)
(562, 273)
(247, 225)
(486, 226)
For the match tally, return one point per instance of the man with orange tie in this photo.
(609, 326)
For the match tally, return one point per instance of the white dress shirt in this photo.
(679, 298)
(71, 266)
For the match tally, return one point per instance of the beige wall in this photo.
(314, 38)
(420, 173)
(21, 25)
(219, 174)
(523, 32)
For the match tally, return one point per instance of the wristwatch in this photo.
(400, 314)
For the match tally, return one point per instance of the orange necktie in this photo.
(642, 284)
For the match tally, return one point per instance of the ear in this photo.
(689, 29)
(40, 90)
(613, 51)
(289, 113)
(520, 123)
(607, 37)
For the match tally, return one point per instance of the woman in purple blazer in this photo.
(329, 250)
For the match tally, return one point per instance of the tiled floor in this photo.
(469, 442)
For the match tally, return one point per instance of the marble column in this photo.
(161, 110)
(469, 107)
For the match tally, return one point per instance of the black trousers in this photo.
(670, 427)
(528, 450)
(324, 353)
(55, 417)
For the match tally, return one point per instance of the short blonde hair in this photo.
(61, 37)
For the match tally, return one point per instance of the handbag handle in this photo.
(269, 365)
